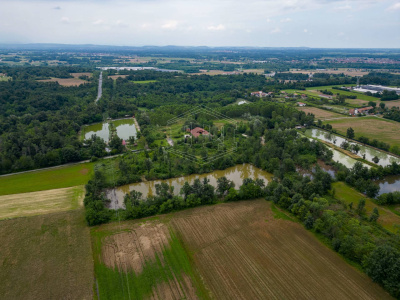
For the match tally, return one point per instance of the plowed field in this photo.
(242, 252)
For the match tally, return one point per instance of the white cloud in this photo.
(305, 30)
(216, 28)
(344, 7)
(65, 20)
(395, 6)
(341, 34)
(121, 23)
(286, 20)
(98, 22)
(275, 30)
(170, 25)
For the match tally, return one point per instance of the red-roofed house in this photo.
(196, 132)
(259, 94)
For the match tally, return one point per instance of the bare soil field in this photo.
(65, 81)
(46, 257)
(320, 113)
(128, 250)
(42, 202)
(391, 104)
(76, 75)
(242, 252)
(372, 127)
(152, 263)
(117, 76)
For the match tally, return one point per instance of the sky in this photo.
(267, 23)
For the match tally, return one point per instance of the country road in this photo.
(100, 89)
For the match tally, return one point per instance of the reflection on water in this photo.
(125, 128)
(236, 174)
(344, 159)
(384, 158)
(389, 184)
(99, 129)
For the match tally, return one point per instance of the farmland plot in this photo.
(42, 202)
(142, 261)
(242, 252)
(46, 257)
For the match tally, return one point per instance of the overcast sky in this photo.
(270, 23)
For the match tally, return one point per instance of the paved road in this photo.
(100, 89)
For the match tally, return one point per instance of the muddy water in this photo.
(99, 129)
(236, 174)
(125, 128)
(370, 153)
(389, 184)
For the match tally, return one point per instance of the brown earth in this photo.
(129, 250)
(65, 81)
(46, 257)
(242, 252)
(76, 75)
(390, 104)
(117, 76)
(320, 113)
(173, 289)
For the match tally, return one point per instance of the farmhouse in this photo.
(261, 94)
(301, 104)
(196, 132)
(364, 110)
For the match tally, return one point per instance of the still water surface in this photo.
(148, 188)
(384, 158)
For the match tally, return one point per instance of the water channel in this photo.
(384, 158)
(147, 188)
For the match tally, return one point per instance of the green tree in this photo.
(350, 133)
(374, 216)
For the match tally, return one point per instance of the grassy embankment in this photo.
(387, 218)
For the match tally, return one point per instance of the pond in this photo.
(99, 129)
(343, 158)
(389, 184)
(384, 158)
(147, 188)
(125, 128)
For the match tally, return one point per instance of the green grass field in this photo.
(46, 179)
(46, 257)
(144, 81)
(347, 194)
(372, 127)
